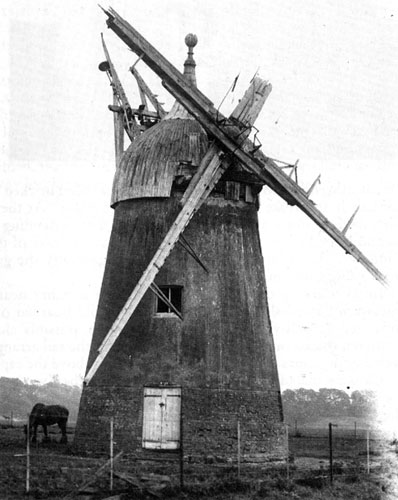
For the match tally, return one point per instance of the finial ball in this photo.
(191, 40)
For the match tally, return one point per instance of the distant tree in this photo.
(363, 404)
(333, 403)
(290, 405)
(300, 404)
(14, 397)
(306, 405)
(19, 397)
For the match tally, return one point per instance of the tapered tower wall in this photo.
(221, 353)
(171, 382)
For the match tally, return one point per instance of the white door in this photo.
(162, 415)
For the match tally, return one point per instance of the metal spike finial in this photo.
(189, 66)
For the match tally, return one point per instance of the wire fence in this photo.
(323, 454)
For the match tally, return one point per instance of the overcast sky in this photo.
(334, 106)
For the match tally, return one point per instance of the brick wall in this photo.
(210, 423)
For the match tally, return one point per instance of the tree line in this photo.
(304, 405)
(301, 405)
(18, 398)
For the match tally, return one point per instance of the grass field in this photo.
(56, 472)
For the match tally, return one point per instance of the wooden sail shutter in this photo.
(232, 190)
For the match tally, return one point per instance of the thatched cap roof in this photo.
(151, 162)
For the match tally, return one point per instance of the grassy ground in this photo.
(56, 471)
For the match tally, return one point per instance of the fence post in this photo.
(287, 451)
(331, 451)
(355, 429)
(27, 484)
(111, 455)
(238, 449)
(367, 452)
(181, 448)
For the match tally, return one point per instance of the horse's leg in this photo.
(45, 432)
(62, 426)
(34, 436)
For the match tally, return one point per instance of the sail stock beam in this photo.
(152, 57)
(210, 170)
(119, 97)
(203, 110)
(271, 174)
(145, 91)
(206, 183)
(230, 144)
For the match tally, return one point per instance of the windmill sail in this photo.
(230, 136)
(209, 172)
(146, 92)
(120, 98)
(203, 110)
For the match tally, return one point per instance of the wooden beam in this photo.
(350, 220)
(144, 89)
(312, 187)
(118, 132)
(158, 292)
(132, 129)
(277, 180)
(173, 79)
(74, 493)
(208, 174)
(203, 188)
(201, 108)
(256, 96)
(153, 58)
(142, 94)
(242, 176)
(115, 78)
(187, 247)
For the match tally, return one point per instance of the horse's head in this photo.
(38, 408)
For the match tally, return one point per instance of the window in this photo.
(173, 295)
(161, 419)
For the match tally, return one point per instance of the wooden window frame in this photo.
(169, 312)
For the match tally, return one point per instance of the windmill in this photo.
(182, 326)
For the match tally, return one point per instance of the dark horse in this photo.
(48, 415)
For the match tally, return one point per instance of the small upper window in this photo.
(173, 295)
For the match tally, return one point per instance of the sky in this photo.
(334, 106)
